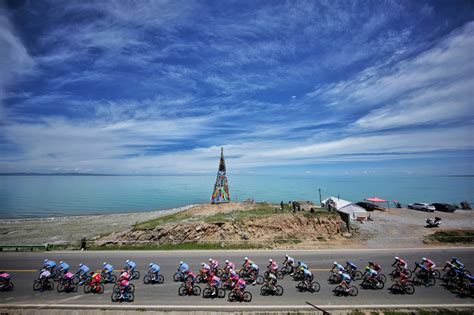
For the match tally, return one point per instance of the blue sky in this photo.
(297, 87)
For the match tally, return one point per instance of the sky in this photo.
(286, 87)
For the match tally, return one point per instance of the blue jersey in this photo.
(307, 274)
(64, 266)
(303, 265)
(108, 268)
(339, 266)
(183, 267)
(346, 277)
(155, 268)
(372, 272)
(131, 265)
(352, 265)
(83, 269)
(50, 264)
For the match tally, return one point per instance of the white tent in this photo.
(354, 211)
(340, 203)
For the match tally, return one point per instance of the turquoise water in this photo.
(24, 196)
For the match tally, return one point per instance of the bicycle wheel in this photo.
(279, 290)
(199, 279)
(395, 288)
(231, 297)
(76, 280)
(409, 273)
(339, 290)
(264, 290)
(206, 293)
(430, 282)
(130, 297)
(131, 288)
(136, 275)
(280, 275)
(467, 272)
(9, 286)
(437, 274)
(332, 279)
(247, 296)
(100, 289)
(37, 285)
(301, 286)
(50, 285)
(146, 279)
(87, 289)
(353, 291)
(182, 291)
(417, 281)
(220, 293)
(266, 274)
(382, 278)
(260, 280)
(197, 290)
(115, 296)
(60, 287)
(357, 275)
(409, 288)
(160, 279)
(176, 276)
(315, 286)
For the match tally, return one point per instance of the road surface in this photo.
(24, 265)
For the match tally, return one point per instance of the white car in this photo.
(422, 206)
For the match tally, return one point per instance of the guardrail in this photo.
(46, 247)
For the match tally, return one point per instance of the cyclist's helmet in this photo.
(210, 259)
(424, 259)
(340, 272)
(151, 264)
(45, 260)
(127, 261)
(335, 263)
(105, 263)
(270, 260)
(80, 265)
(202, 264)
(246, 258)
(181, 262)
(226, 261)
(61, 262)
(286, 256)
(367, 268)
(371, 262)
(397, 258)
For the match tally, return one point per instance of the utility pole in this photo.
(320, 200)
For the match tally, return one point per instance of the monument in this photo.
(221, 187)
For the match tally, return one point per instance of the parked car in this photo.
(445, 207)
(367, 205)
(421, 206)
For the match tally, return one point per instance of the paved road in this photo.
(23, 266)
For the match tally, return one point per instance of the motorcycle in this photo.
(432, 223)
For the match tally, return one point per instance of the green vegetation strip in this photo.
(182, 246)
(454, 236)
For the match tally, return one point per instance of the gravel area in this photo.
(404, 228)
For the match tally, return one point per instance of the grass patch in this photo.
(263, 210)
(286, 240)
(452, 237)
(182, 246)
(169, 218)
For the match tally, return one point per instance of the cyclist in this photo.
(183, 267)
(239, 287)
(107, 269)
(63, 266)
(254, 272)
(290, 262)
(346, 280)
(307, 277)
(375, 266)
(155, 269)
(337, 267)
(82, 270)
(350, 267)
(400, 263)
(457, 263)
(403, 277)
(429, 264)
(272, 266)
(302, 265)
(229, 265)
(49, 264)
(190, 278)
(234, 276)
(124, 286)
(44, 276)
(96, 278)
(205, 270)
(247, 263)
(271, 280)
(214, 264)
(214, 284)
(371, 274)
(130, 265)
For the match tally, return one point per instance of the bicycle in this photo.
(341, 290)
(43, 284)
(268, 289)
(151, 277)
(211, 292)
(402, 288)
(122, 294)
(240, 296)
(189, 289)
(305, 286)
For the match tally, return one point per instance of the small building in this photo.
(348, 207)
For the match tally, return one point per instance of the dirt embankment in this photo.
(233, 225)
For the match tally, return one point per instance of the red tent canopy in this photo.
(376, 199)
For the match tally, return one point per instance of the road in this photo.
(23, 266)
